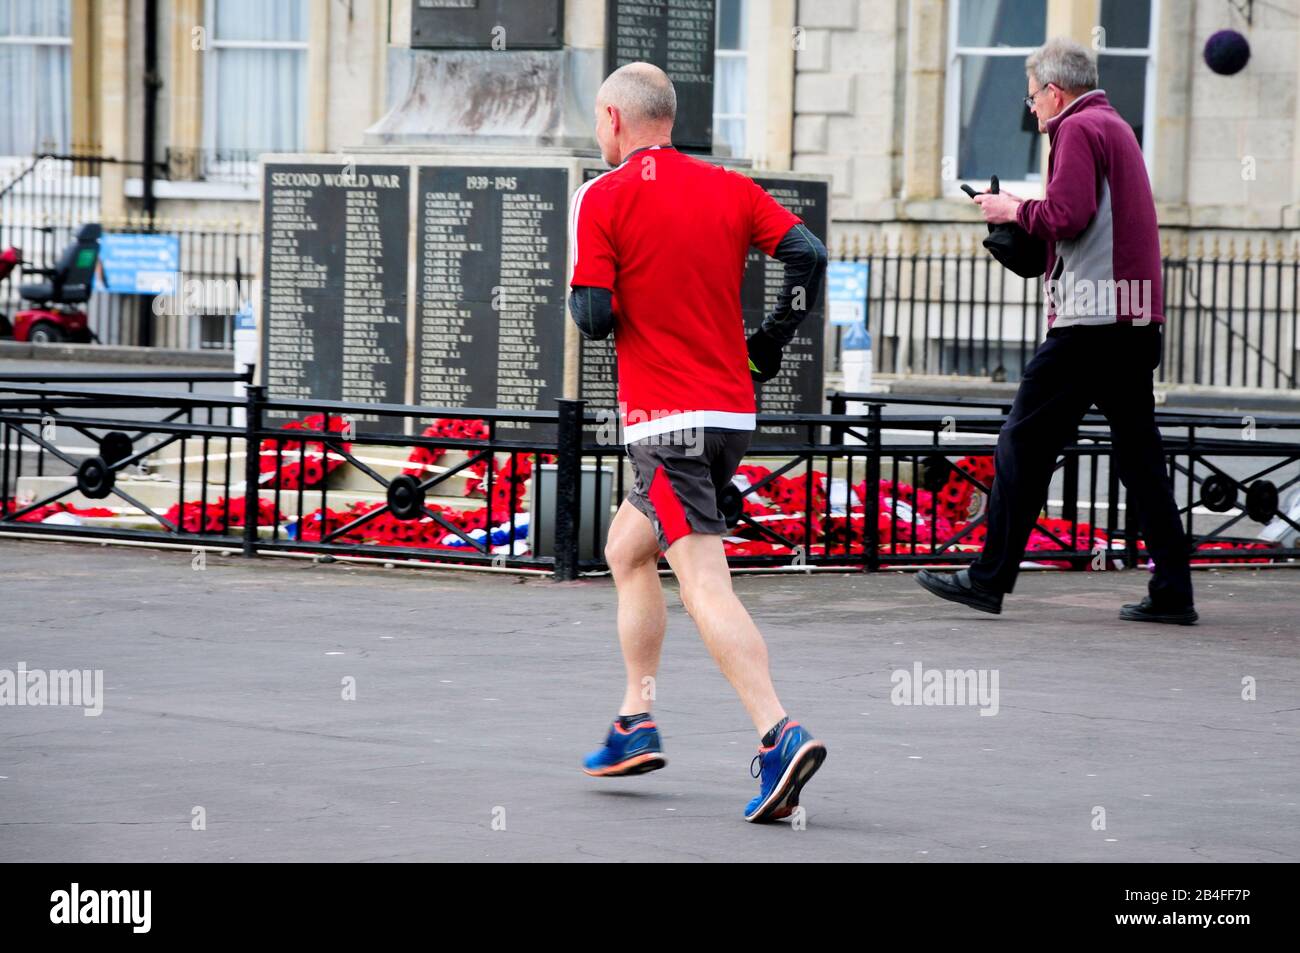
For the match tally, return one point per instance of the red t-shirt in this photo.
(668, 234)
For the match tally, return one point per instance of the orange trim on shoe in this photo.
(789, 725)
(624, 766)
(627, 731)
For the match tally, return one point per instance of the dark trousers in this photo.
(1075, 367)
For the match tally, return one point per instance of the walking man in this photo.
(659, 245)
(1105, 314)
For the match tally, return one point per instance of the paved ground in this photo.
(476, 696)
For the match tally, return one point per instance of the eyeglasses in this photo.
(1029, 100)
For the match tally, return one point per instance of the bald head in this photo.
(642, 93)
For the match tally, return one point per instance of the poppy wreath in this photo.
(901, 499)
(267, 514)
(385, 529)
(790, 494)
(753, 506)
(752, 547)
(955, 497)
(510, 478)
(195, 517)
(42, 513)
(319, 523)
(511, 475)
(845, 534)
(302, 467)
(1220, 544)
(784, 497)
(938, 515)
(454, 428)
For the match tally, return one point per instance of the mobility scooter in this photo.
(54, 316)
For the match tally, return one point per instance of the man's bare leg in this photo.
(632, 552)
(700, 564)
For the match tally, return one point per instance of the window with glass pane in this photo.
(1123, 62)
(1127, 23)
(259, 71)
(995, 136)
(36, 75)
(730, 77)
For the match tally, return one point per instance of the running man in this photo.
(659, 246)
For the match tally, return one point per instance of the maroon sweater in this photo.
(1098, 218)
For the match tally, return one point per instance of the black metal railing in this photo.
(875, 484)
(52, 195)
(944, 307)
(233, 478)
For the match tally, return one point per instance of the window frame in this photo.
(740, 53)
(218, 170)
(46, 39)
(1025, 188)
(1149, 93)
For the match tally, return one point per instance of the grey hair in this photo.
(642, 92)
(1063, 63)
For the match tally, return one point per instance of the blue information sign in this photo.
(138, 264)
(846, 292)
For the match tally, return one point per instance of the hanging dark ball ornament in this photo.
(1227, 52)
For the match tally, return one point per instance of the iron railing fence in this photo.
(875, 484)
(945, 307)
(51, 196)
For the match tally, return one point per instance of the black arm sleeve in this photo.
(804, 257)
(592, 310)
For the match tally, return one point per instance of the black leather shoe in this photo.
(959, 587)
(1146, 611)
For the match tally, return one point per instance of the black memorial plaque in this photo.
(678, 37)
(334, 285)
(487, 24)
(491, 291)
(598, 364)
(798, 389)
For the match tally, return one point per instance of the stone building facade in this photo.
(898, 101)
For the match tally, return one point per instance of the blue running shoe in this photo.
(633, 750)
(783, 770)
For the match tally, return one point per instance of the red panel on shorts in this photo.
(667, 507)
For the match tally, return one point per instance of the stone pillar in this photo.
(184, 86)
(85, 74)
(113, 91)
(1175, 64)
(927, 44)
(770, 83)
(316, 135)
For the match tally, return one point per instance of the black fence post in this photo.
(871, 518)
(1130, 528)
(568, 487)
(1070, 493)
(838, 405)
(255, 396)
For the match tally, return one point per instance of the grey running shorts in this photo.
(677, 481)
